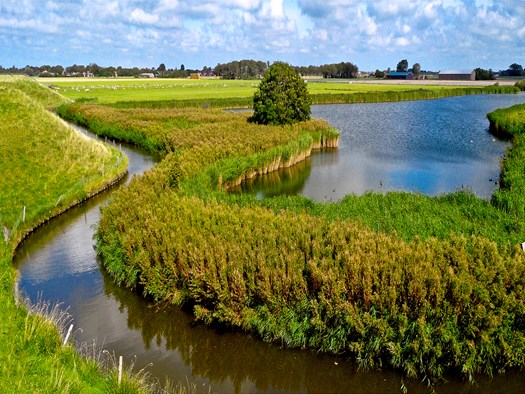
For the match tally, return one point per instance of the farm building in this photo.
(457, 75)
(147, 75)
(400, 75)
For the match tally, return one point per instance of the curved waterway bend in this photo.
(58, 263)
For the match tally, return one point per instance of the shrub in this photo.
(282, 97)
(520, 84)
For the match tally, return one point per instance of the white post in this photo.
(60, 198)
(119, 369)
(68, 334)
(24, 214)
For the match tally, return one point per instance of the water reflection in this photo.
(432, 147)
(236, 362)
(285, 181)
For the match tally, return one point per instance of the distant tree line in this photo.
(95, 70)
(250, 69)
(335, 70)
(484, 75)
(243, 69)
(514, 70)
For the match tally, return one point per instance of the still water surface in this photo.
(432, 147)
(58, 263)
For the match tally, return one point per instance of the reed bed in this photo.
(429, 286)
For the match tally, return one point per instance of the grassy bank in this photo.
(425, 285)
(46, 167)
(510, 198)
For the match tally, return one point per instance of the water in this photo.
(58, 263)
(432, 147)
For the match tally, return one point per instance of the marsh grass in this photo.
(428, 286)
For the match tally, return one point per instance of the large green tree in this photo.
(402, 65)
(282, 97)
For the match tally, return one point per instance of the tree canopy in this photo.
(282, 97)
(402, 66)
(484, 75)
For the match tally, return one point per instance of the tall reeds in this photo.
(425, 285)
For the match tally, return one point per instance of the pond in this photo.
(431, 147)
(58, 263)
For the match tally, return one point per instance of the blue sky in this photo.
(438, 34)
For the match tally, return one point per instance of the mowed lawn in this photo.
(110, 90)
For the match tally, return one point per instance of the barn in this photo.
(400, 75)
(457, 75)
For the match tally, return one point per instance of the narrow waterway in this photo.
(58, 263)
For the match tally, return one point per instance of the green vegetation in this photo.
(46, 167)
(281, 98)
(511, 196)
(407, 95)
(428, 286)
(236, 93)
(520, 84)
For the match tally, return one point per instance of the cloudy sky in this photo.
(438, 34)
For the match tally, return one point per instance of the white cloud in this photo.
(141, 17)
(28, 25)
(272, 9)
(402, 42)
(435, 33)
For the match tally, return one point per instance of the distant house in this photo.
(400, 75)
(147, 75)
(457, 75)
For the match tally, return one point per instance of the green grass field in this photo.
(45, 167)
(114, 90)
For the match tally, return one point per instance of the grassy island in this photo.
(428, 286)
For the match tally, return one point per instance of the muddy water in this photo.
(58, 263)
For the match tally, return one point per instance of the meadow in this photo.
(428, 286)
(46, 167)
(217, 92)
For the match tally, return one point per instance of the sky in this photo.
(437, 34)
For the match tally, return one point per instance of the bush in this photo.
(520, 84)
(282, 97)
